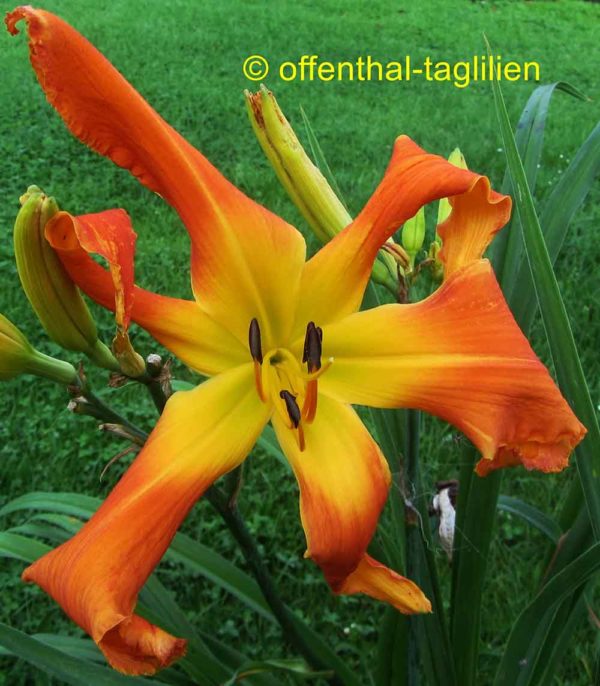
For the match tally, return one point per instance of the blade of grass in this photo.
(546, 602)
(556, 322)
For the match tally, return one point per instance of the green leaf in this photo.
(67, 503)
(564, 584)
(531, 515)
(269, 443)
(58, 663)
(508, 246)
(20, 547)
(556, 215)
(556, 322)
(296, 667)
(82, 648)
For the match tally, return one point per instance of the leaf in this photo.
(558, 211)
(82, 648)
(20, 547)
(565, 583)
(556, 322)
(57, 663)
(296, 667)
(531, 515)
(269, 443)
(529, 137)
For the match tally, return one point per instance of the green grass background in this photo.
(185, 57)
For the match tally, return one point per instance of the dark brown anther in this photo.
(313, 347)
(292, 407)
(254, 341)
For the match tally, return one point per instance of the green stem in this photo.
(101, 356)
(234, 521)
(51, 368)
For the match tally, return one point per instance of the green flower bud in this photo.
(458, 160)
(17, 356)
(308, 189)
(55, 299)
(413, 235)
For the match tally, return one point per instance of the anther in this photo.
(292, 407)
(313, 347)
(255, 342)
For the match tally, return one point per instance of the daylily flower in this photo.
(283, 341)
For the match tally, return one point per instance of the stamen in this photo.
(320, 372)
(292, 407)
(309, 409)
(313, 347)
(258, 381)
(255, 342)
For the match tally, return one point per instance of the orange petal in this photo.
(476, 217)
(378, 581)
(96, 575)
(108, 234)
(460, 355)
(344, 481)
(246, 262)
(179, 325)
(334, 280)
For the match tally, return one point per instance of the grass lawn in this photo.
(185, 57)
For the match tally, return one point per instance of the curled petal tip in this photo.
(382, 583)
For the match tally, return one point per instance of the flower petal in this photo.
(180, 325)
(460, 355)
(334, 280)
(246, 262)
(96, 575)
(344, 480)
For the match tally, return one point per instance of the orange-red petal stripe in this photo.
(334, 279)
(460, 355)
(344, 480)
(180, 325)
(246, 262)
(97, 575)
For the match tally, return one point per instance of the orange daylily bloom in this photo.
(283, 341)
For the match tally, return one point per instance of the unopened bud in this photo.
(308, 189)
(413, 235)
(54, 297)
(458, 160)
(18, 356)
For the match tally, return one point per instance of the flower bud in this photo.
(17, 356)
(304, 182)
(54, 297)
(413, 235)
(458, 160)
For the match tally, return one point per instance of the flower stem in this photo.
(232, 517)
